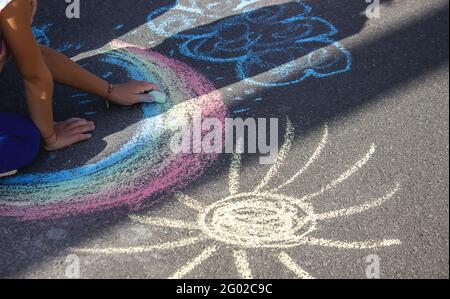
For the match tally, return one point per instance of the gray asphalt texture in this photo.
(396, 96)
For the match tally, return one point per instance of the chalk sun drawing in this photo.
(285, 42)
(143, 167)
(262, 219)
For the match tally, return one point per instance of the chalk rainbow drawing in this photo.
(143, 167)
(262, 219)
(284, 41)
(303, 44)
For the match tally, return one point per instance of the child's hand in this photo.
(132, 92)
(69, 132)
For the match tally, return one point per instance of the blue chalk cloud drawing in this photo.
(270, 45)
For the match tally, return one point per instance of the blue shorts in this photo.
(20, 141)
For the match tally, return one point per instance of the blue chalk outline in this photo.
(40, 33)
(208, 43)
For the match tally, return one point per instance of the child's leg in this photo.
(19, 142)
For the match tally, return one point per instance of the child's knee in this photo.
(20, 142)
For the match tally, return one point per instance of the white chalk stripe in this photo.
(350, 245)
(164, 222)
(242, 264)
(288, 138)
(141, 249)
(343, 177)
(360, 208)
(191, 265)
(311, 160)
(244, 3)
(190, 202)
(234, 174)
(287, 261)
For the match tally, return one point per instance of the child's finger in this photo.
(83, 129)
(78, 123)
(147, 86)
(70, 121)
(81, 137)
(146, 98)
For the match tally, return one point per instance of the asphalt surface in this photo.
(395, 96)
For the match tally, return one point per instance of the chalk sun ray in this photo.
(350, 245)
(289, 263)
(282, 155)
(142, 249)
(310, 162)
(242, 264)
(359, 208)
(343, 177)
(234, 174)
(189, 202)
(191, 265)
(165, 222)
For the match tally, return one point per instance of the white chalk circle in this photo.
(257, 220)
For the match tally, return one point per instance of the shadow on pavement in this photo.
(379, 66)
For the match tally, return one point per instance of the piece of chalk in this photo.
(159, 96)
